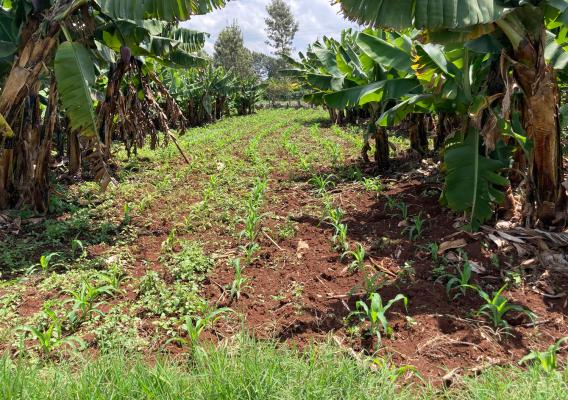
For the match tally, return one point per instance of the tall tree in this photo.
(281, 27)
(264, 66)
(231, 53)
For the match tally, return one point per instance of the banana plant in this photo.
(395, 77)
(519, 28)
(209, 93)
(247, 93)
(203, 92)
(112, 35)
(165, 10)
(319, 73)
(124, 38)
(364, 71)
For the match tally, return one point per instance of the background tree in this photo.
(281, 27)
(231, 53)
(281, 90)
(264, 66)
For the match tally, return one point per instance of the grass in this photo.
(245, 369)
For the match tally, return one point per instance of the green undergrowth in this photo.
(101, 294)
(225, 158)
(245, 369)
(54, 254)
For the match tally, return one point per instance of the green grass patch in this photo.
(246, 369)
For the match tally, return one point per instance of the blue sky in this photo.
(316, 18)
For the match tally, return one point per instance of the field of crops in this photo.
(281, 199)
(273, 231)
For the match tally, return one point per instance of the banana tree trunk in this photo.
(26, 151)
(441, 131)
(541, 123)
(382, 149)
(423, 132)
(418, 134)
(40, 187)
(379, 133)
(414, 133)
(332, 115)
(74, 152)
(108, 108)
(18, 155)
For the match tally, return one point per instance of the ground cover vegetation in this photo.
(243, 252)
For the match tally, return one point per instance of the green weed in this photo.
(190, 263)
(156, 298)
(287, 231)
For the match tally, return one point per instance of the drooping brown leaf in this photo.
(5, 129)
(451, 245)
(499, 242)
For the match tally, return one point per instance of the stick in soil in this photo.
(382, 268)
(272, 240)
(178, 147)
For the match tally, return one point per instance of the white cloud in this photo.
(316, 17)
